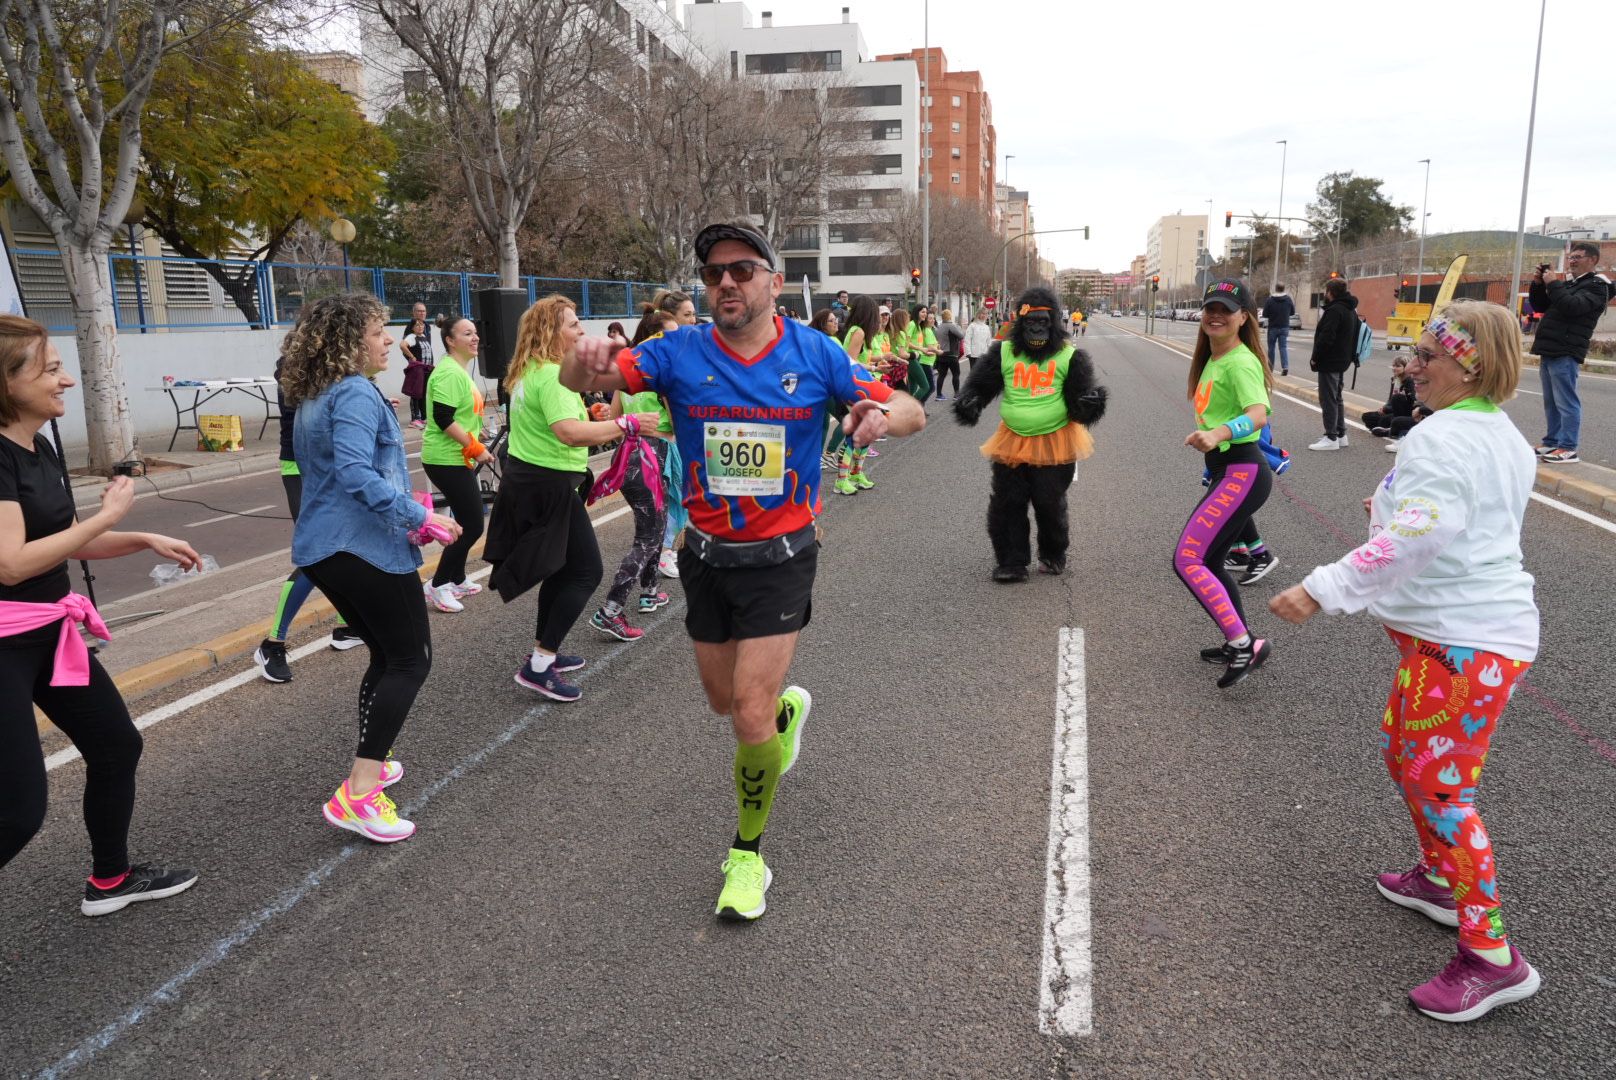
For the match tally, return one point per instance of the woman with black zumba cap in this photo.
(1228, 383)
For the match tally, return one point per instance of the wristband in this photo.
(1240, 427)
(473, 450)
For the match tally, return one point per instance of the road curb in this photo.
(1573, 489)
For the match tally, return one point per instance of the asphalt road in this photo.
(1597, 392)
(552, 917)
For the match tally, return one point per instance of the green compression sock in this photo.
(757, 774)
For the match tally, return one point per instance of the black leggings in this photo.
(417, 408)
(640, 564)
(565, 593)
(97, 721)
(1240, 484)
(945, 365)
(389, 613)
(458, 485)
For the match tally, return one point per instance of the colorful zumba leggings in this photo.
(1442, 712)
(1238, 485)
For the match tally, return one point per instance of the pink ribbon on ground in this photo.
(616, 472)
(72, 655)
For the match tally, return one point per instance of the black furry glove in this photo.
(968, 407)
(1090, 407)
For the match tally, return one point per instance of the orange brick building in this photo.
(964, 144)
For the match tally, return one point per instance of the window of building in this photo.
(871, 165)
(786, 63)
(639, 36)
(850, 265)
(854, 232)
(886, 130)
(802, 238)
(797, 269)
(415, 81)
(955, 101)
(862, 198)
(953, 178)
(954, 126)
(864, 97)
(734, 65)
(954, 152)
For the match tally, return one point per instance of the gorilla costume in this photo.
(1050, 399)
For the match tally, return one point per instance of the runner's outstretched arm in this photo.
(593, 366)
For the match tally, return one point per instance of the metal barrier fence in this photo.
(169, 293)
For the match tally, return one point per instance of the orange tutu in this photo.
(1061, 447)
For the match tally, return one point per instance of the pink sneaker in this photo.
(1470, 987)
(392, 772)
(372, 816)
(1413, 890)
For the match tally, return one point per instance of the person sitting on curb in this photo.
(1400, 412)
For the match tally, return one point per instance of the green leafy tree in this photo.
(242, 143)
(1356, 208)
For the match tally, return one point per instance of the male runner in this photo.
(748, 395)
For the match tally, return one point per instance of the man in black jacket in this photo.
(1335, 341)
(1571, 307)
(1278, 309)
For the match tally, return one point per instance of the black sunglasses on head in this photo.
(741, 272)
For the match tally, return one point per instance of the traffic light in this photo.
(914, 277)
(1334, 276)
(1155, 282)
(1228, 218)
(1407, 283)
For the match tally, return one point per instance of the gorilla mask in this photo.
(1037, 333)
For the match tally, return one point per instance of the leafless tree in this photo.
(517, 82)
(961, 232)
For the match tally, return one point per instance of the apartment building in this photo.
(964, 144)
(879, 106)
(1021, 262)
(1173, 248)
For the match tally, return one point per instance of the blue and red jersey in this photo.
(750, 431)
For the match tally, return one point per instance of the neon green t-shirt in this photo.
(540, 400)
(650, 402)
(923, 338)
(1034, 401)
(450, 384)
(1229, 386)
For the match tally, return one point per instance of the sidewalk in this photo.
(180, 467)
(1591, 487)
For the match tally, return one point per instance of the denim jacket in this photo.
(356, 481)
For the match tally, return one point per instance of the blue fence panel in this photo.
(440, 290)
(296, 284)
(571, 288)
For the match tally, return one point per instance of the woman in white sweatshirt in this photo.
(1442, 570)
(978, 338)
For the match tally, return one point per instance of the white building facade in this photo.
(1173, 249)
(880, 103)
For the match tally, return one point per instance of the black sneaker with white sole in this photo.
(344, 638)
(1218, 654)
(1243, 662)
(1236, 562)
(1259, 567)
(142, 882)
(271, 661)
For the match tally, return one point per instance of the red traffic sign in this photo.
(990, 303)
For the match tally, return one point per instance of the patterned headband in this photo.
(1456, 339)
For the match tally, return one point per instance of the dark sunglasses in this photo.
(740, 272)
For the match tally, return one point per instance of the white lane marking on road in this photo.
(223, 686)
(221, 949)
(228, 517)
(1066, 999)
(1580, 515)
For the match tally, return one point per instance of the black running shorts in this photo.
(725, 605)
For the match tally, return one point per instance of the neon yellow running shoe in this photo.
(797, 703)
(844, 486)
(861, 481)
(746, 879)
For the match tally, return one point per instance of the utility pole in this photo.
(1526, 173)
(1279, 237)
(1425, 201)
(925, 164)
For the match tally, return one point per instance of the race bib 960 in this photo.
(745, 459)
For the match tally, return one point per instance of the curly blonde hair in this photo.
(327, 344)
(538, 338)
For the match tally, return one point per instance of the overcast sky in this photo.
(1119, 112)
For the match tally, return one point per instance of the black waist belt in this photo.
(748, 554)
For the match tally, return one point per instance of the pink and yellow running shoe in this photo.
(373, 816)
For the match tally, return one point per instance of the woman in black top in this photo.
(416, 345)
(38, 610)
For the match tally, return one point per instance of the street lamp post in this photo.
(1526, 171)
(925, 164)
(343, 232)
(1419, 267)
(1278, 236)
(1005, 300)
(131, 220)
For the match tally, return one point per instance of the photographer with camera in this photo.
(1570, 306)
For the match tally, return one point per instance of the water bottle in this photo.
(168, 573)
